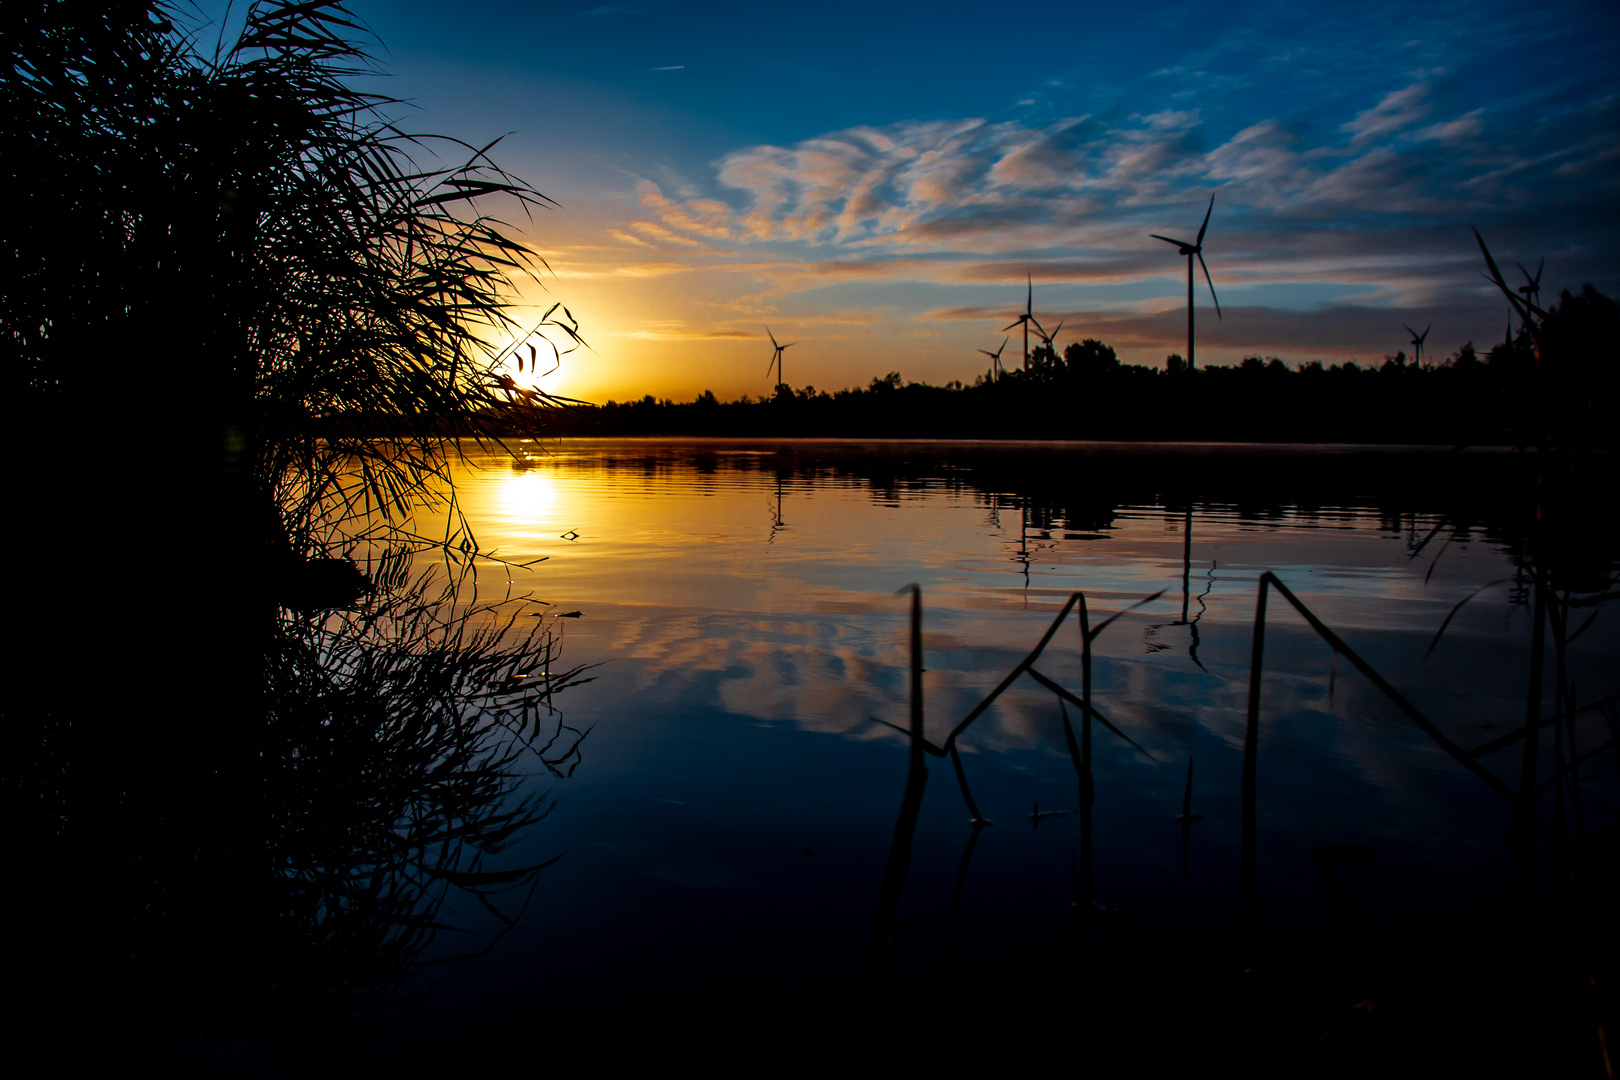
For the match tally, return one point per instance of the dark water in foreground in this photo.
(726, 829)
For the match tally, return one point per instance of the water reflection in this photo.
(681, 568)
(1534, 977)
(251, 894)
(749, 663)
(757, 720)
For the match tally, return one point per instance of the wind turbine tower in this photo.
(1026, 318)
(1195, 250)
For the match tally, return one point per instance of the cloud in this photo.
(1325, 237)
(645, 270)
(1463, 127)
(1082, 184)
(682, 330)
(1398, 110)
(1332, 332)
(978, 185)
(658, 232)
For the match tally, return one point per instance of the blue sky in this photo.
(877, 180)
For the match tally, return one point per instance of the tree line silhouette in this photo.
(1087, 392)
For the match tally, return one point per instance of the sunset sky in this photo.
(875, 180)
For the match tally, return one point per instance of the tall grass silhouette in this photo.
(264, 312)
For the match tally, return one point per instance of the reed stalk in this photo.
(880, 939)
(1251, 756)
(1087, 781)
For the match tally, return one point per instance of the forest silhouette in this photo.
(1086, 392)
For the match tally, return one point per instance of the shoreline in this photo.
(1099, 447)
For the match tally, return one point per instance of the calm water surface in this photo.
(730, 816)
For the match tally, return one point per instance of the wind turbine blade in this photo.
(1424, 336)
(1199, 242)
(1166, 239)
(1536, 281)
(1016, 322)
(1059, 329)
(1411, 331)
(988, 353)
(1029, 297)
(770, 335)
(1209, 279)
(1040, 331)
(788, 346)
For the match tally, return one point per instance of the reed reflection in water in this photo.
(739, 812)
(250, 894)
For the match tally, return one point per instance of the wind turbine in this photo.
(1195, 249)
(1531, 289)
(1049, 340)
(776, 360)
(995, 358)
(1026, 318)
(1417, 342)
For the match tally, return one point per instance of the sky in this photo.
(875, 181)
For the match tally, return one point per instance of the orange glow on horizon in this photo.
(699, 324)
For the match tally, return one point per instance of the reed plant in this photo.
(1556, 943)
(239, 242)
(260, 313)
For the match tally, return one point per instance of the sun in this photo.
(536, 363)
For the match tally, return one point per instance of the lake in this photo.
(726, 826)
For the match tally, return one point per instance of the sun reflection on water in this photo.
(529, 495)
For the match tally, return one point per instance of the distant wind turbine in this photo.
(995, 359)
(776, 359)
(1049, 340)
(1417, 342)
(1026, 318)
(1531, 289)
(1192, 250)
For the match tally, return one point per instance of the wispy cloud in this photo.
(682, 330)
(1081, 185)
(1398, 110)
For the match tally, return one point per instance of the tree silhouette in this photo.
(1090, 357)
